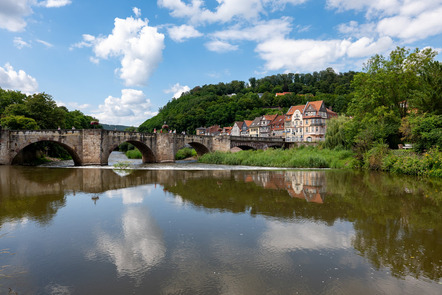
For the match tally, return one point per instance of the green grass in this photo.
(134, 154)
(293, 158)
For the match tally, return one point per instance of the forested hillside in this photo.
(224, 103)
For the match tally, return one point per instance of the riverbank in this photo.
(379, 158)
(304, 157)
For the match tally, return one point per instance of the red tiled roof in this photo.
(316, 104)
(248, 122)
(331, 114)
(282, 93)
(270, 117)
(292, 109)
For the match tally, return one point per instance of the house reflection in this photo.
(308, 185)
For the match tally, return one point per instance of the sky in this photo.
(120, 61)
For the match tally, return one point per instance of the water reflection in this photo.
(136, 249)
(392, 222)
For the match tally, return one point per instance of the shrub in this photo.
(134, 154)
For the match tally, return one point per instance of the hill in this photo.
(224, 103)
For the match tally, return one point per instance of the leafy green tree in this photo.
(424, 131)
(338, 134)
(13, 122)
(428, 98)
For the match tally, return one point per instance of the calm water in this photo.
(182, 231)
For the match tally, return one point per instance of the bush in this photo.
(134, 154)
(185, 153)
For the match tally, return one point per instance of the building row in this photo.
(302, 123)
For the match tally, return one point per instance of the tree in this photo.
(382, 92)
(428, 98)
(13, 122)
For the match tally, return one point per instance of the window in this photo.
(306, 122)
(306, 129)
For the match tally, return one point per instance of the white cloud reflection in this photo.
(137, 248)
(284, 237)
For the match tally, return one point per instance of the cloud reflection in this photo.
(283, 237)
(133, 195)
(139, 247)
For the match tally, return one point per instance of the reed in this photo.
(293, 158)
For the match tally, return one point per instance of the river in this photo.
(188, 228)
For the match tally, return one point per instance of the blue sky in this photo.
(122, 60)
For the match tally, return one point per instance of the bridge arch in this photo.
(200, 148)
(21, 150)
(146, 152)
(245, 147)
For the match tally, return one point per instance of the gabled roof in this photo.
(256, 122)
(292, 109)
(270, 117)
(248, 122)
(239, 124)
(278, 119)
(316, 104)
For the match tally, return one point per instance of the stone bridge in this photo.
(93, 146)
(257, 143)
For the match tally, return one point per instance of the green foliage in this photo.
(134, 154)
(425, 131)
(294, 158)
(14, 122)
(407, 162)
(125, 146)
(338, 133)
(41, 109)
(383, 91)
(185, 153)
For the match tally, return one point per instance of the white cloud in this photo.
(139, 46)
(224, 12)
(136, 11)
(313, 55)
(262, 30)
(10, 79)
(55, 3)
(13, 12)
(407, 20)
(19, 43)
(177, 90)
(220, 46)
(132, 108)
(47, 44)
(280, 4)
(74, 105)
(180, 33)
(409, 28)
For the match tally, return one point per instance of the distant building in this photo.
(210, 131)
(307, 123)
(277, 126)
(264, 128)
(201, 131)
(236, 129)
(254, 127)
